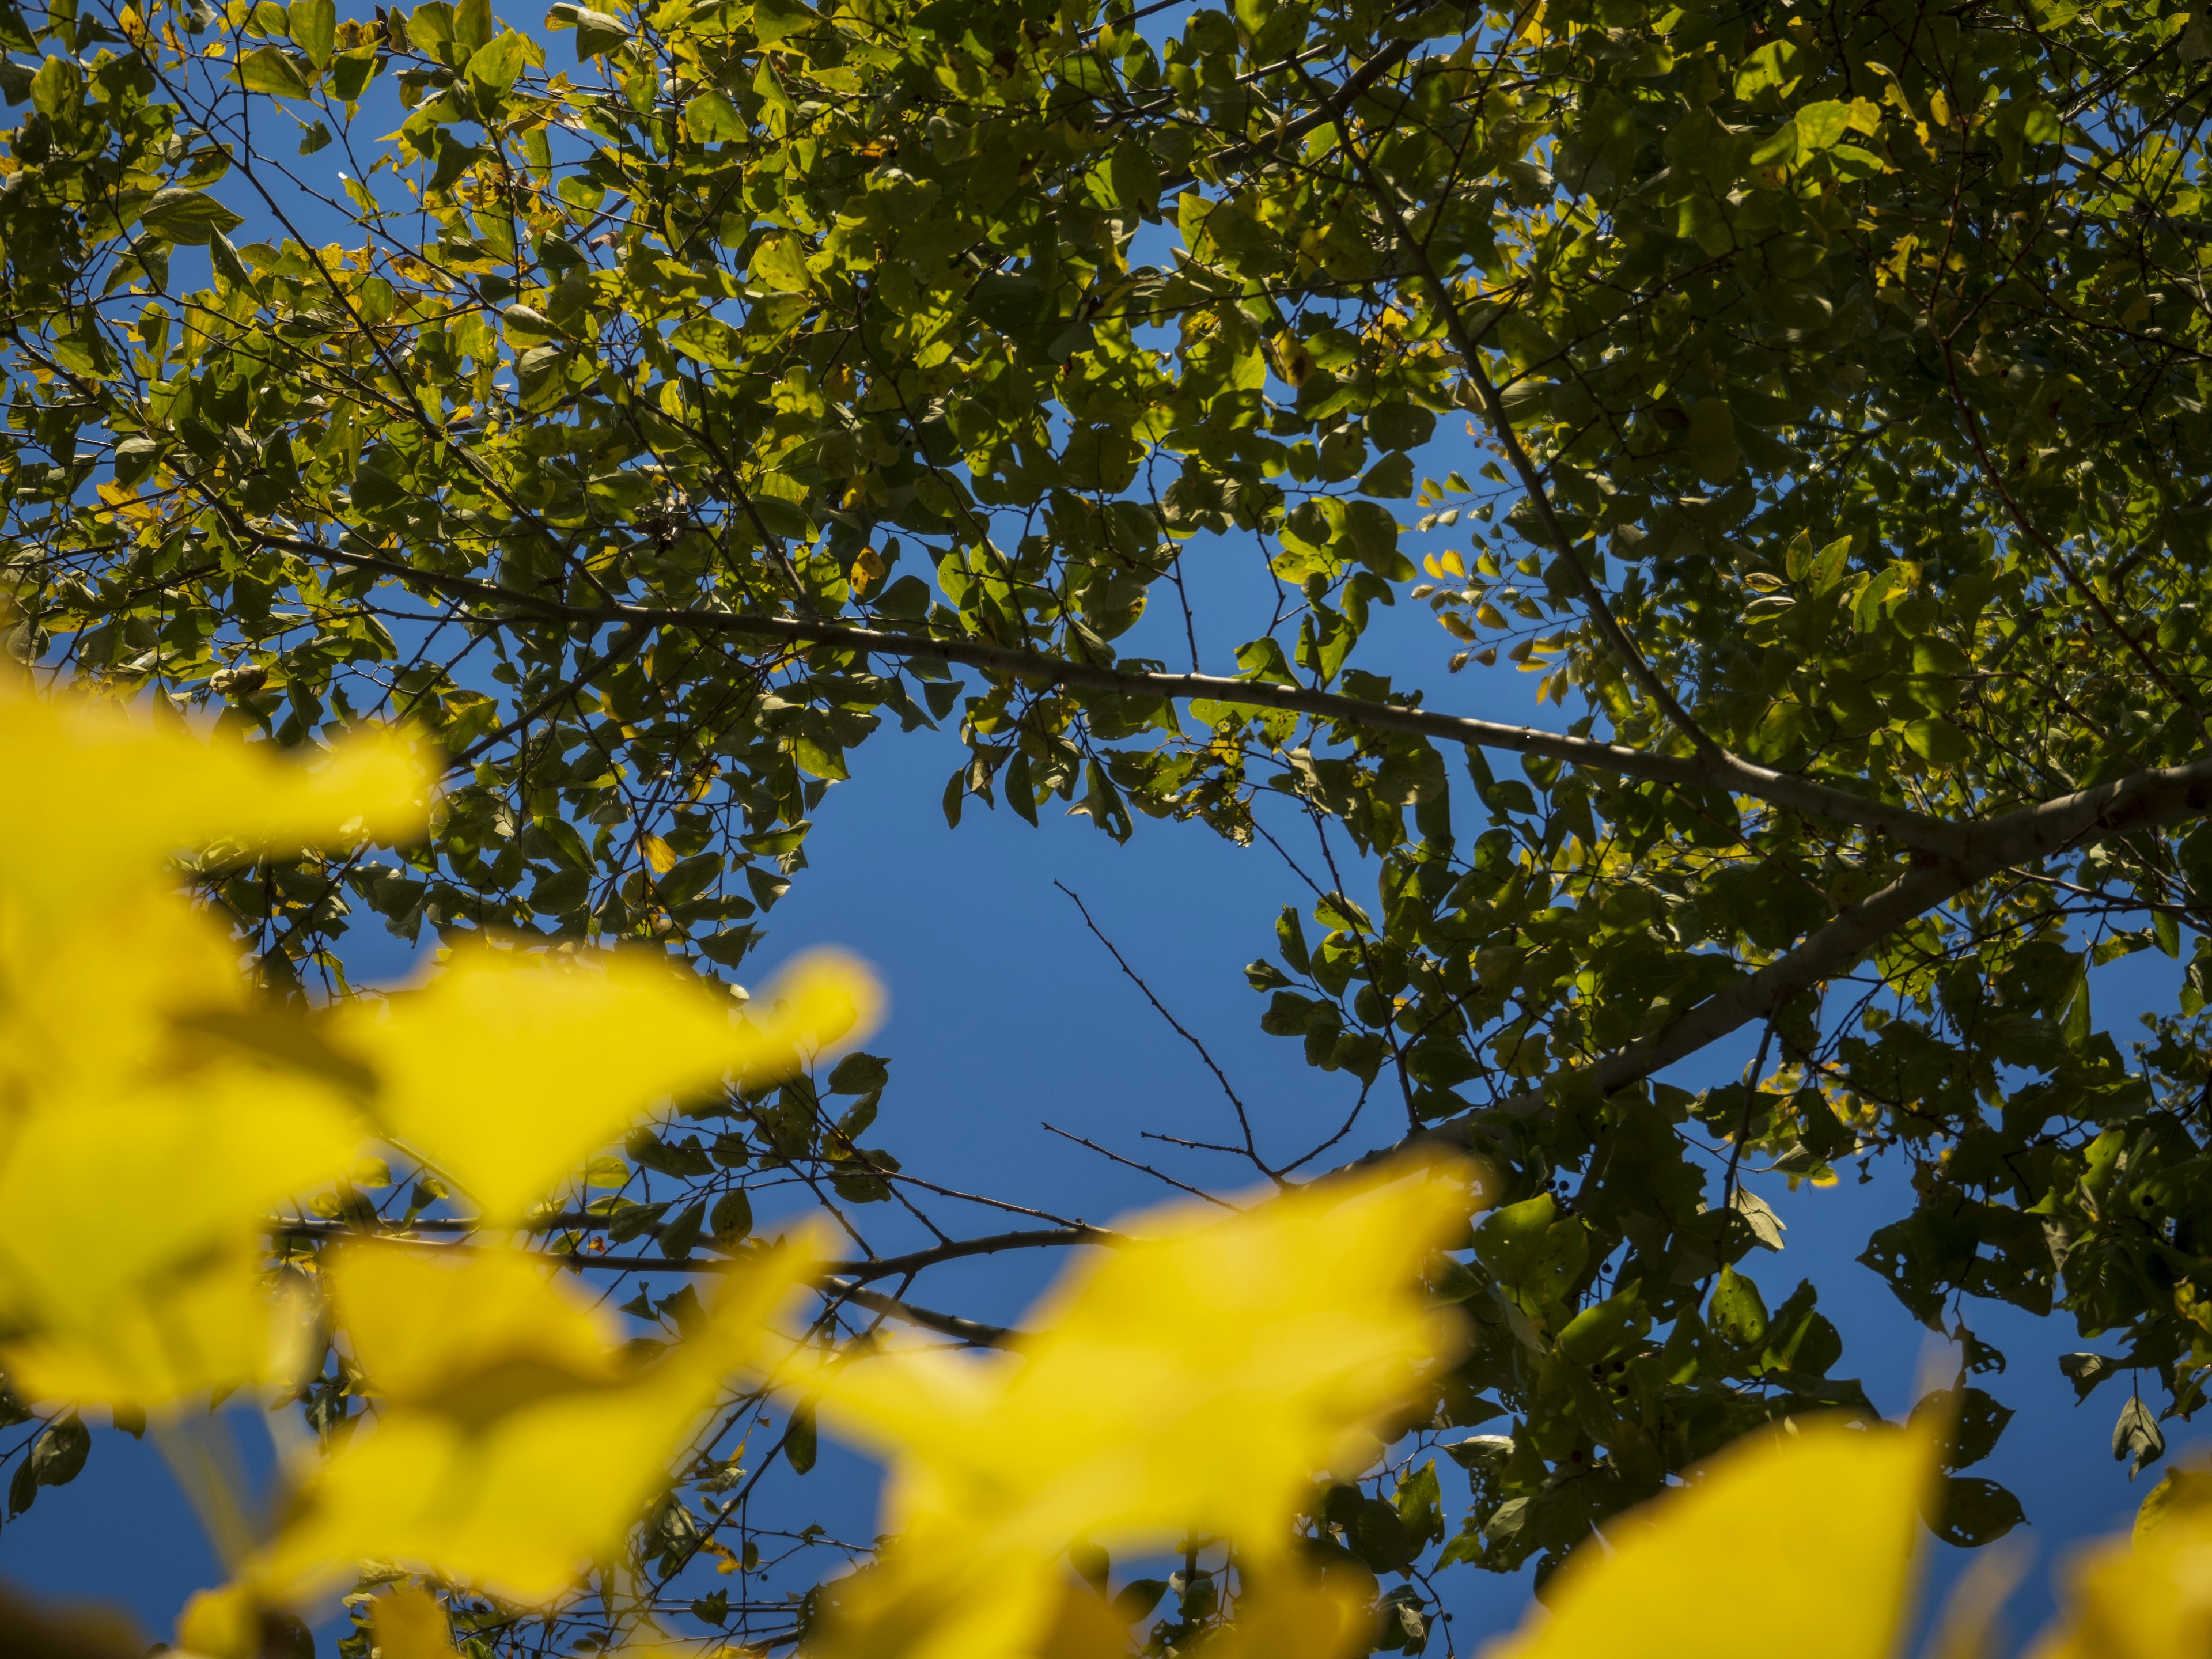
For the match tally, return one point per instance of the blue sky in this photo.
(1008, 1015)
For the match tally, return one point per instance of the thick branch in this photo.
(2032, 832)
(1711, 770)
(858, 1270)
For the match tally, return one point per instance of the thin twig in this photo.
(1131, 1162)
(1244, 1119)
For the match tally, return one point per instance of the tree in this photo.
(649, 431)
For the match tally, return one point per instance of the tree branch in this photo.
(2138, 801)
(1715, 769)
(859, 1271)
(1531, 480)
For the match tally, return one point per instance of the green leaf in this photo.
(798, 1438)
(817, 760)
(712, 119)
(1938, 741)
(495, 67)
(430, 27)
(274, 71)
(1599, 1331)
(731, 1221)
(778, 20)
(1531, 1250)
(189, 218)
(58, 1455)
(1737, 1313)
(1967, 1511)
(679, 1236)
(2137, 1440)
(597, 34)
(779, 262)
(314, 29)
(1391, 478)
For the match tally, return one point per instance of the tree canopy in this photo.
(1818, 392)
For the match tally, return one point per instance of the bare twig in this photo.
(1244, 1119)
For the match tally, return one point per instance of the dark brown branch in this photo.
(859, 1271)
(1715, 771)
(2031, 833)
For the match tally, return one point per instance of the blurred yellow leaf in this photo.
(211, 1326)
(1197, 1378)
(1290, 1614)
(2183, 1493)
(1817, 1530)
(511, 1067)
(409, 1624)
(2145, 1598)
(100, 798)
(164, 1296)
(513, 1443)
(221, 1624)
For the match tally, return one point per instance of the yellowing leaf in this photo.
(711, 119)
(1197, 1378)
(1832, 1502)
(467, 1336)
(98, 798)
(510, 1460)
(511, 1067)
(658, 854)
(409, 1624)
(163, 1296)
(270, 70)
(2147, 1598)
(780, 262)
(2183, 1493)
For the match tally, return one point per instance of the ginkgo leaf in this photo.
(2145, 1597)
(511, 1067)
(1198, 1377)
(509, 1463)
(407, 1623)
(165, 1296)
(467, 1335)
(212, 1327)
(92, 1006)
(1825, 1496)
(100, 798)
(1291, 1614)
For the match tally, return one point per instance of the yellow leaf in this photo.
(2184, 1493)
(1832, 1499)
(221, 1624)
(163, 1298)
(1294, 1614)
(511, 1067)
(507, 1458)
(99, 799)
(1197, 1376)
(410, 1624)
(469, 1336)
(658, 854)
(212, 1326)
(2147, 1598)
